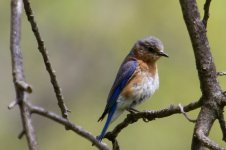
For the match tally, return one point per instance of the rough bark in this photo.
(212, 94)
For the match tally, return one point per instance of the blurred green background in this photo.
(87, 41)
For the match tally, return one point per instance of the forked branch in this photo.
(149, 116)
(21, 87)
(211, 91)
(43, 51)
(71, 126)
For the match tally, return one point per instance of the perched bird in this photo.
(137, 80)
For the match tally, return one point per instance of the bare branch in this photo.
(21, 134)
(204, 60)
(223, 100)
(149, 116)
(12, 104)
(221, 73)
(112, 138)
(211, 90)
(207, 142)
(18, 72)
(26, 87)
(206, 12)
(77, 129)
(222, 124)
(205, 120)
(43, 51)
(185, 115)
(115, 145)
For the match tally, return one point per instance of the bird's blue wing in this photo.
(125, 72)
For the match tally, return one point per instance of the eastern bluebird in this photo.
(137, 79)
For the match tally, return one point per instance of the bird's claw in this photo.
(132, 110)
(145, 120)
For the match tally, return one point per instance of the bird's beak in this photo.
(163, 54)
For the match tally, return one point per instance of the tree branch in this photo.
(149, 116)
(222, 123)
(26, 87)
(185, 115)
(21, 134)
(221, 73)
(211, 91)
(204, 60)
(207, 142)
(205, 120)
(18, 73)
(12, 104)
(43, 51)
(206, 12)
(77, 129)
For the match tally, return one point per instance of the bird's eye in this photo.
(150, 49)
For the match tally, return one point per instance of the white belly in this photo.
(141, 92)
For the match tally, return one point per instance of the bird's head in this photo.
(149, 49)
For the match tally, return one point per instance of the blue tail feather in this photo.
(108, 121)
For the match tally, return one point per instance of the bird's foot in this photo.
(133, 110)
(224, 93)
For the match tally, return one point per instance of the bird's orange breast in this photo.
(142, 83)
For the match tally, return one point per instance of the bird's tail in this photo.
(108, 121)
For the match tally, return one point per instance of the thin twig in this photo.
(221, 73)
(206, 12)
(21, 134)
(149, 116)
(12, 104)
(43, 51)
(26, 87)
(185, 114)
(77, 129)
(18, 73)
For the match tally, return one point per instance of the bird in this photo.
(137, 80)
